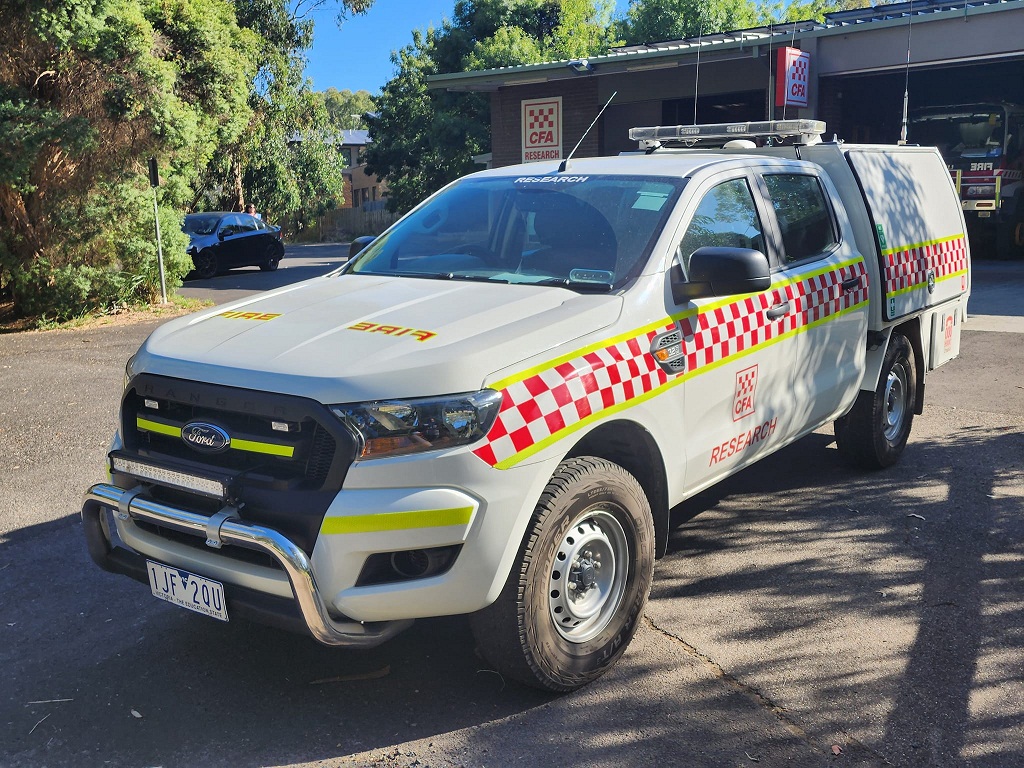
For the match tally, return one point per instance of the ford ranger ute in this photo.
(491, 409)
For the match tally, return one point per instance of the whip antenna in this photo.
(696, 76)
(906, 81)
(565, 163)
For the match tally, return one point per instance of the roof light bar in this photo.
(808, 128)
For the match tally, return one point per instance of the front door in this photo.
(739, 350)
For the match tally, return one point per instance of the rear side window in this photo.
(803, 214)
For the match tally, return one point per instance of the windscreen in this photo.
(972, 132)
(583, 232)
(201, 223)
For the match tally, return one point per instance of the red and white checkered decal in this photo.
(907, 267)
(549, 402)
(544, 406)
(540, 117)
(746, 385)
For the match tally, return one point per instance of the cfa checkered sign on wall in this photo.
(792, 77)
(542, 129)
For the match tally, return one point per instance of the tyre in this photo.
(874, 434)
(272, 261)
(577, 591)
(206, 263)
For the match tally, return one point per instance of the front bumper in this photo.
(308, 607)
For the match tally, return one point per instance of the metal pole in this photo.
(159, 251)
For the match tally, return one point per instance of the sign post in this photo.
(154, 182)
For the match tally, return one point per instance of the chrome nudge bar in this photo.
(226, 529)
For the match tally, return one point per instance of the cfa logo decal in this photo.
(746, 384)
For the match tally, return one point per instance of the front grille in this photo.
(305, 457)
(284, 479)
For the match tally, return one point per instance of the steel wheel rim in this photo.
(895, 402)
(587, 579)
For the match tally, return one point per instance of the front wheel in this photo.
(206, 263)
(874, 434)
(573, 600)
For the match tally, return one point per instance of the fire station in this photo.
(852, 71)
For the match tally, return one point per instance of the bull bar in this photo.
(218, 530)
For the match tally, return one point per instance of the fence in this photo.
(346, 223)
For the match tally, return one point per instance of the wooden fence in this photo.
(346, 223)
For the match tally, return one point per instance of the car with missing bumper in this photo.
(493, 407)
(220, 241)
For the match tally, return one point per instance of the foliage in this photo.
(422, 139)
(346, 109)
(90, 88)
(649, 21)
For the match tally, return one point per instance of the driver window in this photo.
(725, 217)
(230, 226)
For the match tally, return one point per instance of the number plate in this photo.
(182, 588)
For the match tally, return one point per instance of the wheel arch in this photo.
(911, 329)
(633, 448)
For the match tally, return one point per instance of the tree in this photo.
(649, 21)
(289, 147)
(422, 139)
(89, 89)
(346, 109)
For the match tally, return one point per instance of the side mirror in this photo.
(359, 244)
(221, 234)
(716, 271)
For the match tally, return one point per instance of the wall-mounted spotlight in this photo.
(580, 66)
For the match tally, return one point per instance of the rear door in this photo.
(826, 285)
(919, 227)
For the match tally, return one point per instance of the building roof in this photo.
(665, 54)
(353, 136)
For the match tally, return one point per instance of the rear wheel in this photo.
(206, 263)
(874, 434)
(572, 603)
(272, 260)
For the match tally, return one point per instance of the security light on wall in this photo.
(580, 66)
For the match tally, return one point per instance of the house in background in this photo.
(363, 190)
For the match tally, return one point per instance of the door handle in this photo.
(851, 283)
(778, 311)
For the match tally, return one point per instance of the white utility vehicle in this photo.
(493, 407)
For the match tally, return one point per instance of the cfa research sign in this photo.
(792, 77)
(542, 129)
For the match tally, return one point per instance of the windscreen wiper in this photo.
(576, 285)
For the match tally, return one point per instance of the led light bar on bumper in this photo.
(215, 489)
(397, 427)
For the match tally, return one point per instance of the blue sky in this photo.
(357, 56)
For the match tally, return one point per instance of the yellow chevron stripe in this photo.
(397, 521)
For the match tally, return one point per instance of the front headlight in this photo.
(129, 373)
(396, 427)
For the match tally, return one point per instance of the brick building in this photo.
(854, 68)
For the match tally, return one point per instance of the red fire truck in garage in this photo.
(982, 145)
